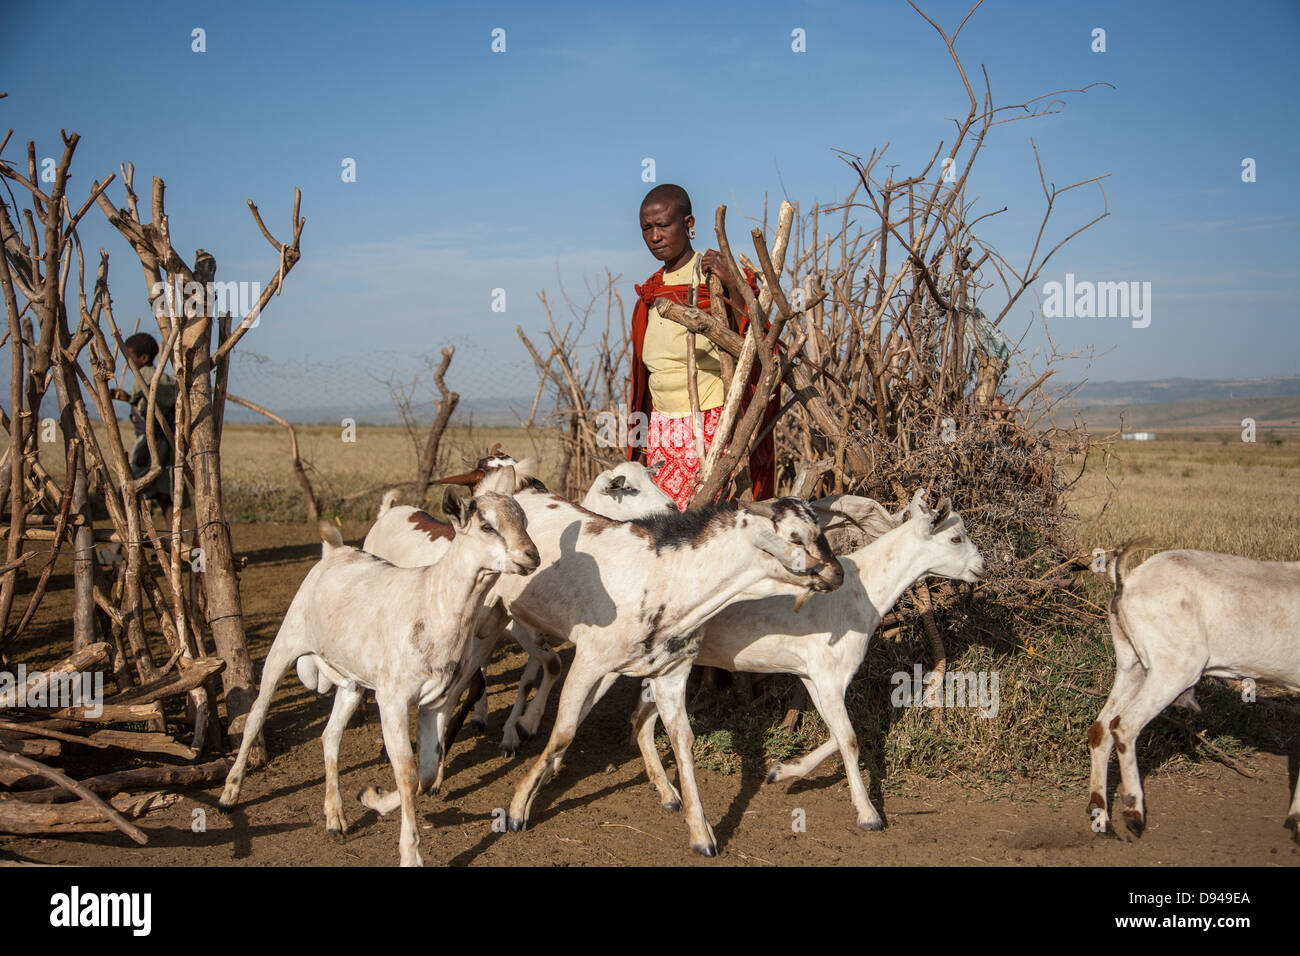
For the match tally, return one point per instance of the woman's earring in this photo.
(692, 233)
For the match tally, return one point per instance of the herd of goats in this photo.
(643, 590)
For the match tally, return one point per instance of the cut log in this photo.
(85, 659)
(37, 729)
(144, 777)
(18, 816)
(110, 713)
(18, 779)
(187, 675)
(91, 807)
(798, 701)
(29, 747)
(151, 742)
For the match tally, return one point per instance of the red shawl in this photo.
(762, 461)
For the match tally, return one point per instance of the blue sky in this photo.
(478, 170)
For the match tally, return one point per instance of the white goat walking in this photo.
(631, 596)
(412, 538)
(623, 493)
(824, 644)
(1179, 616)
(358, 622)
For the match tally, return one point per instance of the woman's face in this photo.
(665, 230)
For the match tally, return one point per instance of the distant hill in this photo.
(1184, 389)
(1186, 403)
(482, 411)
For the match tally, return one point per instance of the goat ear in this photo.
(455, 507)
(501, 480)
(617, 483)
(762, 508)
(941, 513)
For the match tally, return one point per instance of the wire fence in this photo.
(369, 387)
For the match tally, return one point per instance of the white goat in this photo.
(824, 644)
(1179, 616)
(625, 492)
(847, 517)
(409, 537)
(358, 622)
(631, 596)
(412, 538)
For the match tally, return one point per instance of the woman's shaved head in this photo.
(668, 192)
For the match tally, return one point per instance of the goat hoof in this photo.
(1293, 822)
(478, 726)
(1128, 825)
(872, 825)
(516, 824)
(673, 806)
(705, 849)
(507, 752)
(225, 808)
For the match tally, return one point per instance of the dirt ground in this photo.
(601, 810)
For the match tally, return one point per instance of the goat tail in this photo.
(1115, 571)
(331, 537)
(1119, 567)
(390, 498)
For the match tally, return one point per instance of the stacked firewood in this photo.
(156, 610)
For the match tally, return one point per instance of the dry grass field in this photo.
(1203, 490)
(1206, 490)
(349, 477)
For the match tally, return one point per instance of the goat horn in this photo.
(832, 513)
(469, 478)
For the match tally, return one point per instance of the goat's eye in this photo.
(956, 540)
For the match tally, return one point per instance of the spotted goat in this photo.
(631, 596)
(824, 644)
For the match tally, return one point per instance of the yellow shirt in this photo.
(664, 354)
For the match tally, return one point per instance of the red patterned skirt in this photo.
(672, 446)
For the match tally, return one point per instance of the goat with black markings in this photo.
(631, 597)
(824, 644)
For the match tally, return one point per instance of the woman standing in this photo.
(660, 388)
